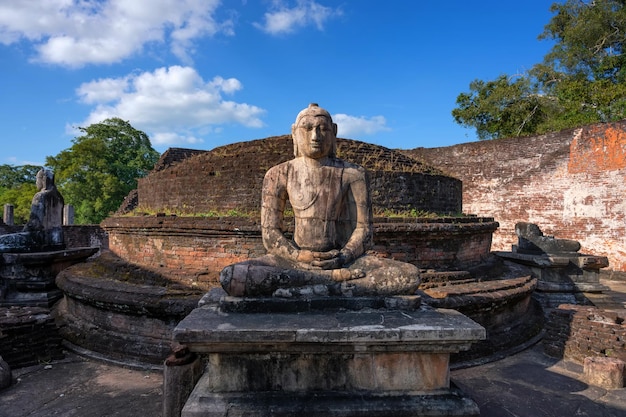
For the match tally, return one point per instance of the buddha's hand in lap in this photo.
(333, 259)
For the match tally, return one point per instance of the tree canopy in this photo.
(580, 81)
(102, 167)
(17, 187)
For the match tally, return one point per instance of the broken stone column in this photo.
(68, 215)
(181, 372)
(8, 214)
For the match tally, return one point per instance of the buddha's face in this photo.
(314, 136)
(40, 180)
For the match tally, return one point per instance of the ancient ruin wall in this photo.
(570, 183)
(576, 332)
(202, 247)
(231, 177)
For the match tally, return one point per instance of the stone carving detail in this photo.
(44, 230)
(532, 240)
(331, 205)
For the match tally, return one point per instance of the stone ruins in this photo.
(318, 314)
(306, 274)
(30, 260)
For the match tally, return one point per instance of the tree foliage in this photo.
(581, 80)
(17, 187)
(13, 176)
(102, 167)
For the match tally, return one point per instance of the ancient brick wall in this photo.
(231, 178)
(28, 336)
(575, 332)
(570, 183)
(79, 236)
(74, 236)
(202, 247)
(198, 246)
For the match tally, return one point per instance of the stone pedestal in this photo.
(562, 278)
(27, 279)
(368, 357)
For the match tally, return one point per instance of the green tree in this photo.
(12, 176)
(102, 167)
(581, 80)
(21, 197)
(17, 187)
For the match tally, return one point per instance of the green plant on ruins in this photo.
(412, 214)
(187, 212)
(582, 79)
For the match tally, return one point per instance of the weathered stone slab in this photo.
(28, 279)
(325, 404)
(208, 330)
(366, 362)
(561, 278)
(604, 372)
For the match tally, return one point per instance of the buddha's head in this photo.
(314, 133)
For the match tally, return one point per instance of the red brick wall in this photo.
(201, 246)
(575, 332)
(570, 183)
(204, 246)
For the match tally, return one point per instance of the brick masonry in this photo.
(28, 336)
(570, 183)
(204, 246)
(231, 177)
(575, 332)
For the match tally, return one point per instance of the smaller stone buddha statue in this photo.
(531, 240)
(43, 231)
(332, 212)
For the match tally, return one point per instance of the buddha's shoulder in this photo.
(281, 168)
(348, 167)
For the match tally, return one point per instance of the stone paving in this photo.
(527, 384)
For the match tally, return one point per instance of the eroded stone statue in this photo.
(532, 240)
(333, 226)
(44, 230)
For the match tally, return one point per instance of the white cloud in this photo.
(103, 90)
(173, 105)
(351, 126)
(75, 33)
(171, 138)
(284, 19)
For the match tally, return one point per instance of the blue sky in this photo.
(204, 73)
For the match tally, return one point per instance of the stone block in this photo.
(367, 362)
(181, 371)
(604, 372)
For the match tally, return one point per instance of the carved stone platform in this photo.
(28, 279)
(562, 278)
(367, 357)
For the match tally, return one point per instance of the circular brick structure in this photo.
(230, 178)
(187, 240)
